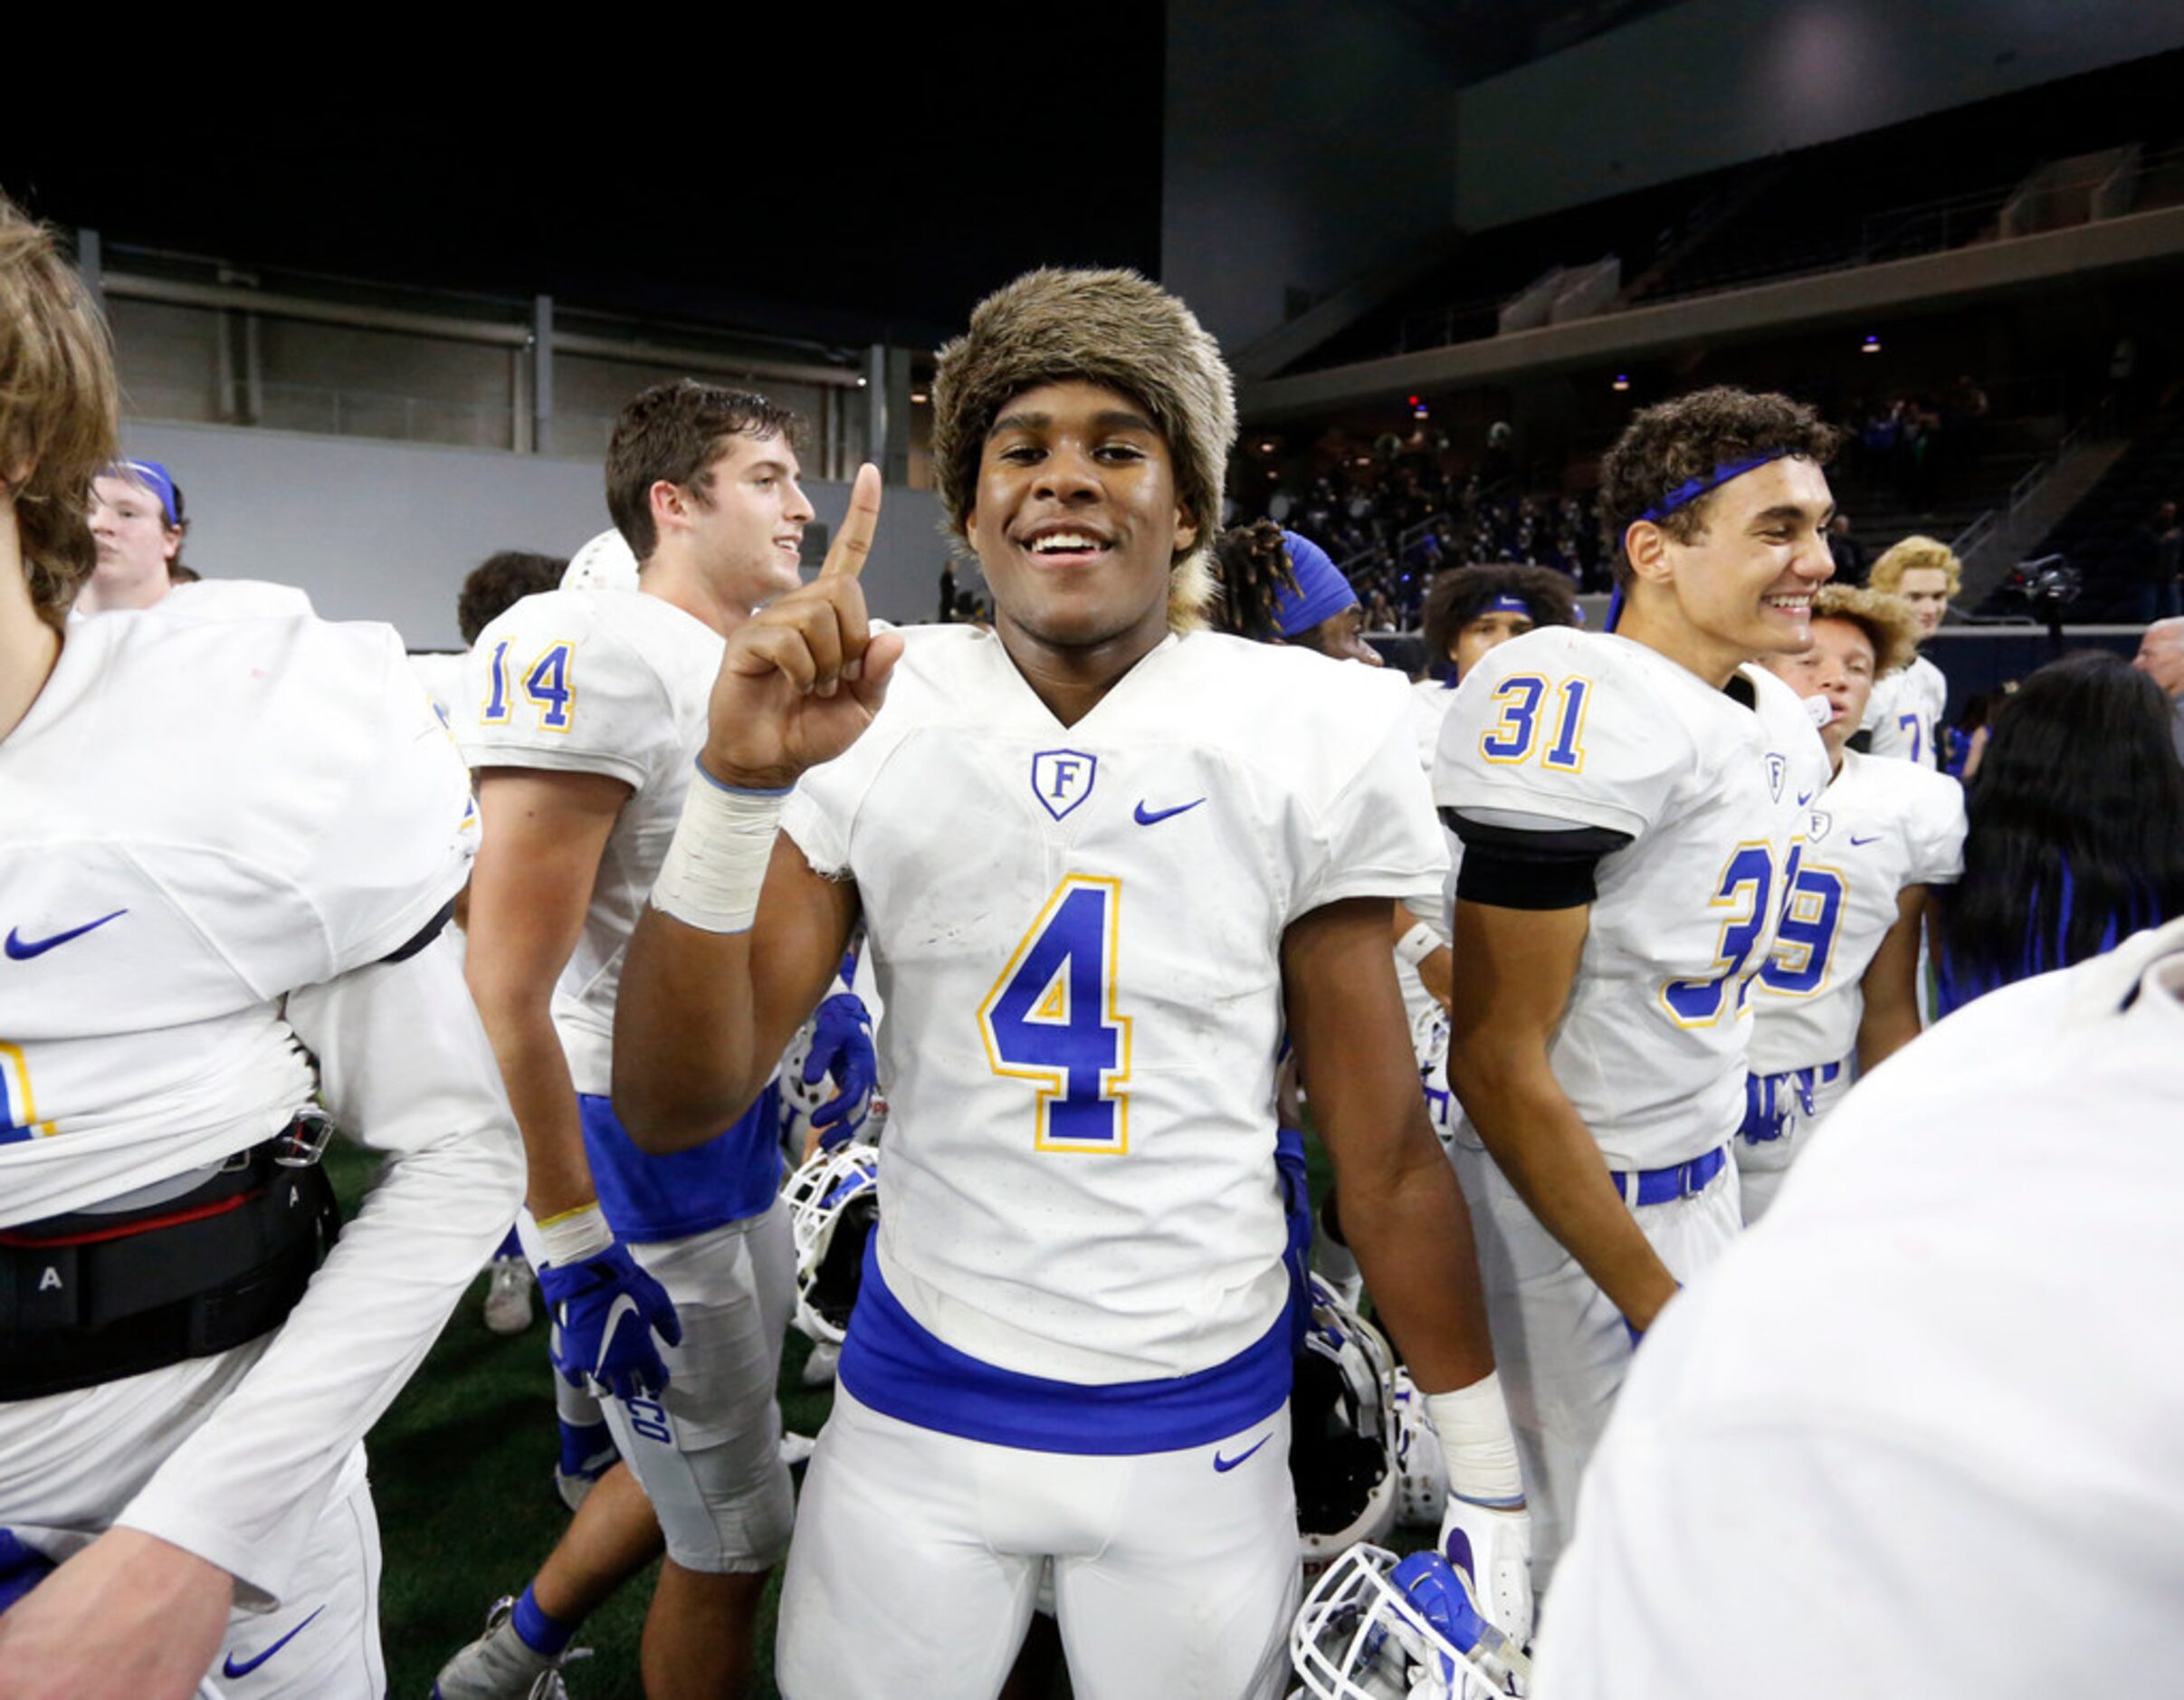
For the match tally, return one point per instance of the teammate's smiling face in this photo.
(1839, 666)
(747, 519)
(1743, 587)
(1077, 522)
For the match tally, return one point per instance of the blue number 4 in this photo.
(1050, 1018)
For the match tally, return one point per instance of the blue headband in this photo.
(1509, 604)
(1691, 488)
(154, 478)
(1322, 591)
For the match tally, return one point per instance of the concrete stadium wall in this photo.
(377, 530)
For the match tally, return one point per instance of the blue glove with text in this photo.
(605, 1311)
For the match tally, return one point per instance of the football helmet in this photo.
(833, 1200)
(1421, 1472)
(1342, 1435)
(1379, 1628)
(606, 563)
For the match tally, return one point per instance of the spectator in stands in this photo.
(1851, 564)
(136, 522)
(2153, 557)
(2077, 829)
(2160, 658)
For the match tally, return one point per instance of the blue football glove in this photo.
(605, 1311)
(842, 1048)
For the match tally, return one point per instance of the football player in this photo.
(136, 522)
(1904, 714)
(1629, 807)
(1471, 610)
(1828, 1470)
(1101, 856)
(216, 921)
(1840, 992)
(585, 709)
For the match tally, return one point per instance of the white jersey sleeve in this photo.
(1558, 724)
(559, 682)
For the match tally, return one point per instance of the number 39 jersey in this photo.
(1883, 825)
(1077, 934)
(198, 817)
(606, 681)
(1577, 728)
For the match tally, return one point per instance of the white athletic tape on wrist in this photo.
(716, 865)
(1477, 1444)
(575, 1235)
(1415, 946)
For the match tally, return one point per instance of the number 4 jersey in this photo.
(1563, 728)
(1077, 932)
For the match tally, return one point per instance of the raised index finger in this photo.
(853, 542)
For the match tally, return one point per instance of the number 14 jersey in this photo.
(1077, 933)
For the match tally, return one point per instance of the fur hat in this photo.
(1110, 327)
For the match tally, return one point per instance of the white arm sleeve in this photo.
(406, 1070)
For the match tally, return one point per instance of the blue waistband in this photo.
(1769, 1099)
(1678, 1180)
(900, 1369)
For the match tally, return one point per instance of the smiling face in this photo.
(1926, 589)
(747, 516)
(1839, 667)
(1741, 588)
(1076, 520)
(134, 539)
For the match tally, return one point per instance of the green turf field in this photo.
(462, 1475)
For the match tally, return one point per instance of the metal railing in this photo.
(1991, 520)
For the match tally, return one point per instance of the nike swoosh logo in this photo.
(1876, 838)
(1152, 817)
(231, 1670)
(623, 1306)
(1805, 797)
(21, 949)
(1227, 1465)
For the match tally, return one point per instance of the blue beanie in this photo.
(1322, 589)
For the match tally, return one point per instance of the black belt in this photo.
(88, 1298)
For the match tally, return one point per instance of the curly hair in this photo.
(1909, 556)
(1114, 329)
(676, 432)
(1252, 563)
(1888, 622)
(1459, 595)
(499, 582)
(1670, 444)
(59, 409)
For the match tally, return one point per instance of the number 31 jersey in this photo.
(1572, 727)
(1077, 933)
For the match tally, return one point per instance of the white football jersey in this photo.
(275, 804)
(442, 677)
(1077, 932)
(1880, 826)
(1595, 731)
(608, 682)
(1835, 1453)
(1904, 710)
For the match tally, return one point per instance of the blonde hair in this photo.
(1911, 555)
(1889, 622)
(59, 408)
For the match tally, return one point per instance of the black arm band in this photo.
(1509, 867)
